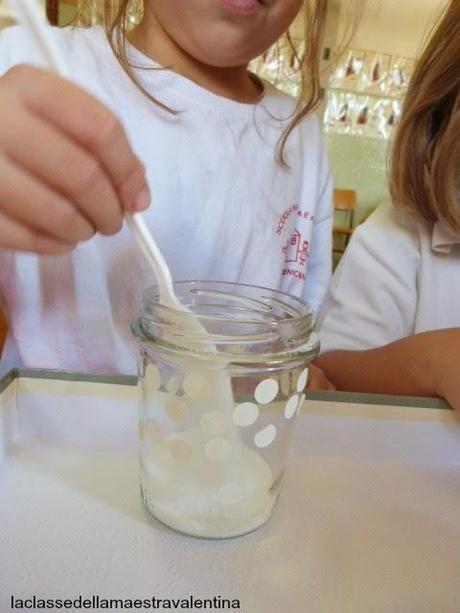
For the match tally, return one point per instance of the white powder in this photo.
(197, 475)
(187, 486)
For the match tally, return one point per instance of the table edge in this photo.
(131, 380)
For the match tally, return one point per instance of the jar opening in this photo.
(241, 322)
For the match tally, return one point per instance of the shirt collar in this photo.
(443, 239)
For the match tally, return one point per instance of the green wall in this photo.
(361, 164)
(66, 13)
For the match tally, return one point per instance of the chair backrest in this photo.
(344, 199)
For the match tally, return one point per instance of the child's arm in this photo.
(426, 364)
(367, 322)
(66, 167)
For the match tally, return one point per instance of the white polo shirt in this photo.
(399, 276)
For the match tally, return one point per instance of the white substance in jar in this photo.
(189, 486)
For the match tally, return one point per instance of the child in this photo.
(240, 182)
(391, 321)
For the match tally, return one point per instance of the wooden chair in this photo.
(345, 203)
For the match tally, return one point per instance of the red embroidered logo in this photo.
(297, 274)
(294, 208)
(296, 249)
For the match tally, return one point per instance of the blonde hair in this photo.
(314, 12)
(425, 164)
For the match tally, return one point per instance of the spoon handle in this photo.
(154, 256)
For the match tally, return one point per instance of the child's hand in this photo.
(450, 388)
(317, 380)
(66, 167)
(443, 347)
(424, 364)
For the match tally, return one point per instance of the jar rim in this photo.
(240, 319)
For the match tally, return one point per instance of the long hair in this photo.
(314, 12)
(425, 164)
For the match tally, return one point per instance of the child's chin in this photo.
(228, 51)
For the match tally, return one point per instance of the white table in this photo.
(368, 522)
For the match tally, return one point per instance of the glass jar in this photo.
(218, 402)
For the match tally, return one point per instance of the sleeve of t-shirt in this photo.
(373, 296)
(319, 270)
(5, 50)
(17, 47)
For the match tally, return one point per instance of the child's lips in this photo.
(243, 6)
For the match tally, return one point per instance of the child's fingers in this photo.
(15, 236)
(317, 380)
(28, 201)
(128, 191)
(91, 124)
(452, 389)
(66, 167)
(455, 400)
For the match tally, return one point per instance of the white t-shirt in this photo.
(223, 209)
(399, 276)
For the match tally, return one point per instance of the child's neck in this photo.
(234, 83)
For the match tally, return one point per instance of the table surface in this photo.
(368, 520)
